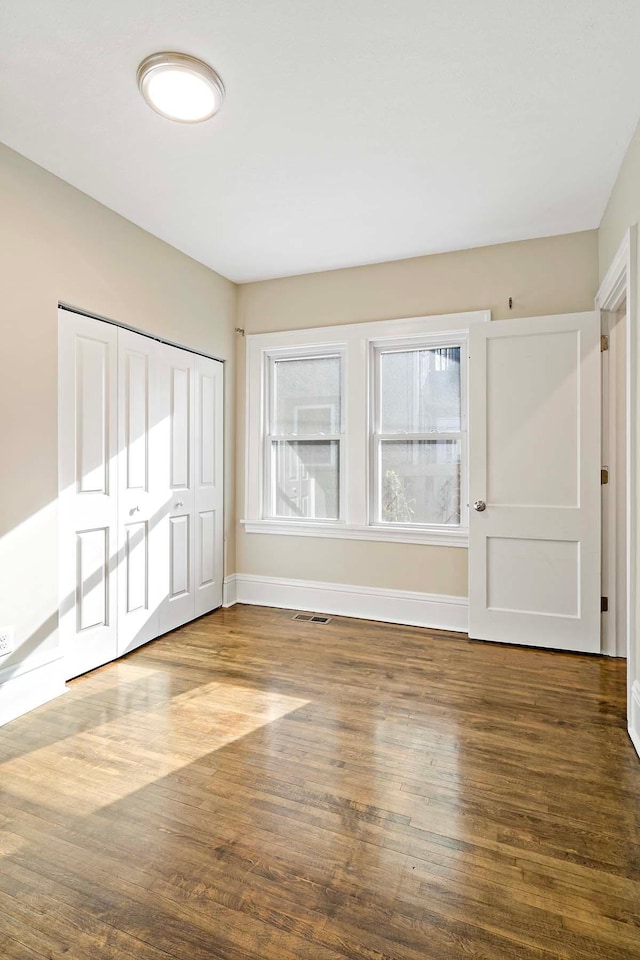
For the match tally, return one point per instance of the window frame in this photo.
(354, 341)
(377, 437)
(271, 357)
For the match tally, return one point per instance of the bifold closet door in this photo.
(141, 491)
(141, 486)
(88, 491)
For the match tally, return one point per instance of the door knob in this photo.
(479, 505)
(179, 503)
(134, 510)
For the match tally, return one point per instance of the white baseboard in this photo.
(30, 688)
(634, 715)
(367, 603)
(229, 596)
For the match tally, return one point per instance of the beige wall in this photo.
(623, 211)
(58, 244)
(552, 275)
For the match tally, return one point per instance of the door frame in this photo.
(620, 286)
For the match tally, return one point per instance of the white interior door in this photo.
(87, 403)
(141, 544)
(534, 481)
(209, 539)
(177, 396)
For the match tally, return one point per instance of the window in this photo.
(418, 442)
(303, 444)
(359, 431)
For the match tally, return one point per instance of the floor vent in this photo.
(311, 618)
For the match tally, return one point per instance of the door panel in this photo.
(177, 394)
(179, 556)
(206, 429)
(92, 385)
(87, 431)
(552, 586)
(524, 420)
(136, 563)
(207, 539)
(534, 557)
(209, 483)
(93, 579)
(136, 400)
(181, 388)
(140, 544)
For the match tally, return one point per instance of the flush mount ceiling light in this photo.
(180, 87)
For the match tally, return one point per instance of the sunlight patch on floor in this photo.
(153, 733)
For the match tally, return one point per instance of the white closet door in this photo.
(177, 389)
(141, 489)
(140, 492)
(209, 538)
(88, 491)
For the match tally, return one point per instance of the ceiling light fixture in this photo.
(180, 87)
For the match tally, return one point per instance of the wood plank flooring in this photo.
(255, 787)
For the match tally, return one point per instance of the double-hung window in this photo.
(359, 431)
(418, 441)
(303, 444)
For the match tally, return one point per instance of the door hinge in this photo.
(604, 343)
(604, 475)
(604, 604)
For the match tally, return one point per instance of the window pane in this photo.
(420, 391)
(305, 475)
(420, 481)
(307, 396)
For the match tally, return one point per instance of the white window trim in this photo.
(355, 342)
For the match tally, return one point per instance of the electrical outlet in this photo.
(6, 640)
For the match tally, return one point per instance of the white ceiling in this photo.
(354, 131)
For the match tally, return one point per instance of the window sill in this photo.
(437, 536)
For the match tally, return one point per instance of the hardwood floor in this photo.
(255, 787)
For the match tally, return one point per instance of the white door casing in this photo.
(534, 460)
(87, 430)
(141, 491)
